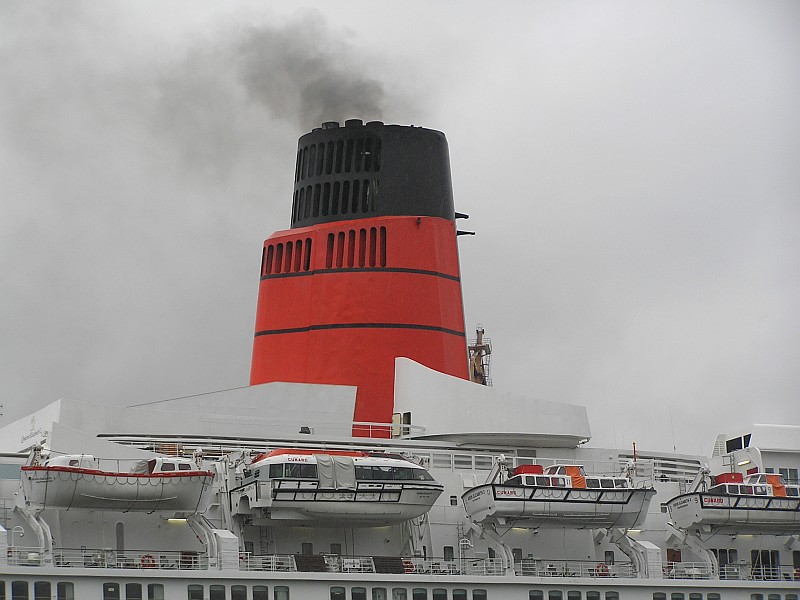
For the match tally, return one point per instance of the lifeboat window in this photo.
(155, 591)
(592, 482)
(792, 491)
(530, 480)
(133, 591)
(760, 490)
(301, 471)
(167, 467)
(559, 482)
(478, 594)
(384, 473)
(364, 473)
(401, 473)
(606, 483)
(555, 595)
(260, 592)
(281, 592)
(184, 467)
(516, 480)
(545, 481)
(621, 483)
(421, 475)
(419, 594)
(238, 592)
(73, 462)
(746, 489)
(337, 593)
(358, 593)
(275, 471)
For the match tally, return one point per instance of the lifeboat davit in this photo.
(174, 485)
(761, 503)
(334, 488)
(559, 496)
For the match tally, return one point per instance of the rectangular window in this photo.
(260, 592)
(439, 594)
(65, 590)
(307, 548)
(111, 591)
(216, 592)
(449, 552)
(133, 591)
(281, 592)
(399, 594)
(419, 594)
(19, 590)
(459, 594)
(379, 594)
(555, 595)
(41, 590)
(535, 595)
(195, 592)
(337, 593)
(612, 595)
(155, 591)
(479, 594)
(358, 593)
(574, 595)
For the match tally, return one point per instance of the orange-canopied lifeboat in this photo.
(559, 496)
(760, 503)
(334, 488)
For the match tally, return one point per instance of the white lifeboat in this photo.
(155, 485)
(559, 496)
(334, 488)
(761, 503)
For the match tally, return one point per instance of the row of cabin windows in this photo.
(337, 198)
(367, 473)
(380, 593)
(576, 595)
(342, 156)
(356, 248)
(286, 257)
(42, 590)
(682, 596)
(133, 591)
(238, 592)
(748, 490)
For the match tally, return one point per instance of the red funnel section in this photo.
(357, 282)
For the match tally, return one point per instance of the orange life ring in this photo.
(148, 561)
(601, 570)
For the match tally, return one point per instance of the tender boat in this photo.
(335, 487)
(760, 503)
(559, 496)
(78, 482)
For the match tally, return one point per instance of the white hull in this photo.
(736, 514)
(535, 507)
(65, 488)
(369, 505)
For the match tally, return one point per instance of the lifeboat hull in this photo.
(730, 514)
(545, 507)
(369, 505)
(68, 488)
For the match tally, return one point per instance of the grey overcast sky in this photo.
(632, 170)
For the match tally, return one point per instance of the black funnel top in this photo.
(360, 171)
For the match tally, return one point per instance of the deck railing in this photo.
(334, 563)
